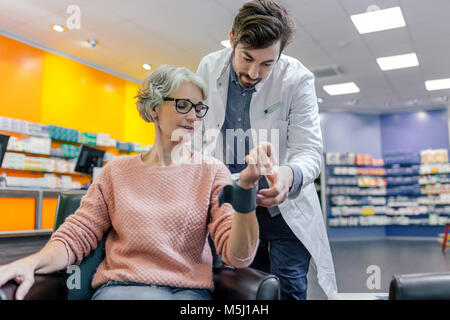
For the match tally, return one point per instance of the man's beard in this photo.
(243, 77)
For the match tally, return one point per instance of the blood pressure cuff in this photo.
(242, 200)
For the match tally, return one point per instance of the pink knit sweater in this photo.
(159, 219)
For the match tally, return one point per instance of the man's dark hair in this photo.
(260, 23)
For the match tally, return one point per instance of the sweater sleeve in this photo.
(221, 221)
(82, 231)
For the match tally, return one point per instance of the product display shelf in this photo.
(29, 209)
(12, 171)
(388, 174)
(109, 149)
(44, 155)
(55, 144)
(405, 180)
(35, 154)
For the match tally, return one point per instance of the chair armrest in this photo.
(46, 287)
(245, 284)
(424, 286)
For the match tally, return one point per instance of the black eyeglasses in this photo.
(184, 106)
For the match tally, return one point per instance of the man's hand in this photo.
(280, 183)
(22, 271)
(261, 161)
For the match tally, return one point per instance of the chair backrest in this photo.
(423, 286)
(68, 203)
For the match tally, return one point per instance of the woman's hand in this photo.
(261, 161)
(22, 271)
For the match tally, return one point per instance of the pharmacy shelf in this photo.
(389, 205)
(388, 184)
(38, 171)
(104, 148)
(388, 195)
(363, 166)
(388, 225)
(390, 175)
(387, 163)
(61, 141)
(27, 191)
(424, 215)
(402, 180)
(388, 215)
(39, 154)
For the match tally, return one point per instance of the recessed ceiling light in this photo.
(398, 62)
(378, 20)
(92, 42)
(341, 88)
(319, 100)
(225, 43)
(146, 66)
(58, 28)
(438, 84)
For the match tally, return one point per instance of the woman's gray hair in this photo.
(161, 83)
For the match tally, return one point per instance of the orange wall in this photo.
(136, 130)
(48, 213)
(88, 100)
(20, 80)
(17, 214)
(43, 87)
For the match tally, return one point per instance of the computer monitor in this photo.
(88, 159)
(3, 144)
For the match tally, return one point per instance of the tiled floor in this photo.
(352, 259)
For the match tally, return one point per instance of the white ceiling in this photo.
(180, 32)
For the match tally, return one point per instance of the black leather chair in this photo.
(230, 283)
(423, 286)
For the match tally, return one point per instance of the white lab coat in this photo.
(289, 94)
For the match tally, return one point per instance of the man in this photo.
(252, 86)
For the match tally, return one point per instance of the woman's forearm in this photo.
(52, 257)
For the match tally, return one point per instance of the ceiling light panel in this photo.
(379, 20)
(438, 84)
(398, 62)
(341, 88)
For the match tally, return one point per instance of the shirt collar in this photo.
(232, 72)
(226, 64)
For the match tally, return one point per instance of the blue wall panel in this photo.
(414, 131)
(351, 132)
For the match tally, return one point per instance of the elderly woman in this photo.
(159, 212)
